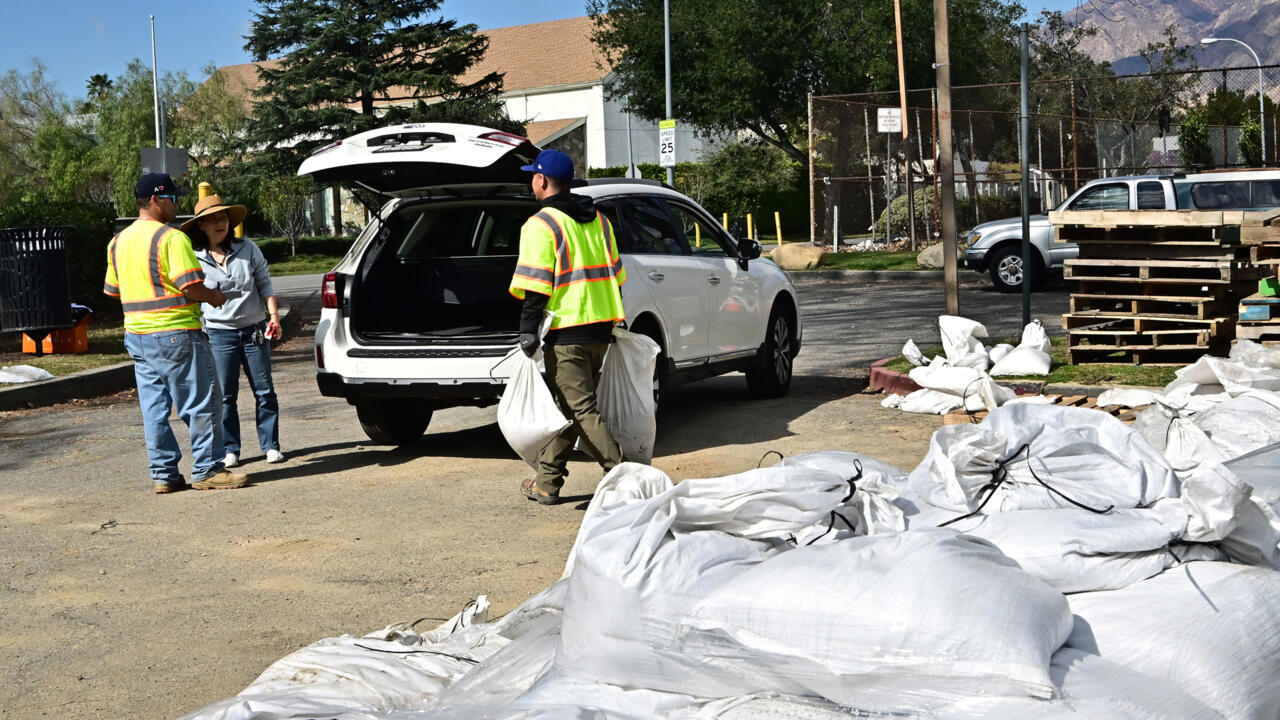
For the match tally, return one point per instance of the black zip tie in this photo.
(1000, 475)
(781, 457)
(831, 521)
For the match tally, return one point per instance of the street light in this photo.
(1262, 121)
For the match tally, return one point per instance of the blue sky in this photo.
(77, 38)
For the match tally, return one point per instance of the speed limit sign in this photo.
(667, 143)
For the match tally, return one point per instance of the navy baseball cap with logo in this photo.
(553, 164)
(156, 184)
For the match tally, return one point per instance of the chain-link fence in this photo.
(1080, 129)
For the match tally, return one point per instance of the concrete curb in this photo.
(100, 381)
(857, 277)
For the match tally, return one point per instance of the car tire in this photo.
(770, 375)
(661, 368)
(1005, 268)
(393, 422)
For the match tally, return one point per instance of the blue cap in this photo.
(553, 164)
(156, 184)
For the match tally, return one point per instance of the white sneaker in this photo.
(231, 460)
(275, 456)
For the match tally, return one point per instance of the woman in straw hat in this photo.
(241, 330)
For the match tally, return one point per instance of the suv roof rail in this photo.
(624, 181)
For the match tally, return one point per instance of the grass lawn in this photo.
(1063, 374)
(870, 260)
(305, 265)
(106, 347)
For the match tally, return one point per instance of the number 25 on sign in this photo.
(667, 143)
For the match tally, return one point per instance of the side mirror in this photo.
(749, 249)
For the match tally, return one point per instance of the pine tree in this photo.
(339, 60)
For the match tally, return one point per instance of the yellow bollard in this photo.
(724, 221)
(697, 235)
(750, 227)
(203, 190)
(777, 221)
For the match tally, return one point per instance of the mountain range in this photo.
(1126, 26)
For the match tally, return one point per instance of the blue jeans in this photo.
(174, 369)
(246, 348)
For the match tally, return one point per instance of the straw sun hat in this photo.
(214, 204)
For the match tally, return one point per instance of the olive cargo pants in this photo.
(573, 374)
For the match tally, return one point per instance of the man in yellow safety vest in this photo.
(569, 267)
(153, 270)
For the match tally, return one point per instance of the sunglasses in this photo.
(172, 198)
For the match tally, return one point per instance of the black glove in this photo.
(529, 343)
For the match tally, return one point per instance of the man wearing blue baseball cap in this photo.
(153, 270)
(569, 266)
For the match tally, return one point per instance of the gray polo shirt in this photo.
(245, 272)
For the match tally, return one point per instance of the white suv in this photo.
(417, 316)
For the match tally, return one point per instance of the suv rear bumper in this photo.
(443, 394)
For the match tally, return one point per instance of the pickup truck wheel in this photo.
(1006, 269)
(392, 422)
(770, 377)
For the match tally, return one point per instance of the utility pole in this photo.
(942, 66)
(155, 95)
(906, 143)
(1024, 151)
(666, 32)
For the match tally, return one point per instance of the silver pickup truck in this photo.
(996, 247)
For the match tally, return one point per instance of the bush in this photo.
(1251, 144)
(276, 249)
(86, 246)
(1193, 140)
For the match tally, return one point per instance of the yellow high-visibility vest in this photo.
(148, 264)
(577, 264)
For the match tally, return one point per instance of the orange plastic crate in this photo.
(61, 342)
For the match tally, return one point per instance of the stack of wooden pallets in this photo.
(1259, 317)
(1154, 287)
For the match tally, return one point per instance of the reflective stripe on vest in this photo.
(158, 304)
(107, 287)
(589, 292)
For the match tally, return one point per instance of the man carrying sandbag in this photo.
(569, 266)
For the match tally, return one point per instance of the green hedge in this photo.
(86, 245)
(276, 249)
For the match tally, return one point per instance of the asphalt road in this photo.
(121, 603)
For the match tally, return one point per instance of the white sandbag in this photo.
(929, 402)
(1245, 423)
(1031, 357)
(1074, 550)
(640, 563)
(1126, 397)
(527, 413)
(1234, 376)
(892, 400)
(395, 668)
(974, 386)
(1045, 456)
(23, 374)
(960, 341)
(870, 510)
(998, 352)
(1255, 354)
(912, 353)
(625, 394)
(1090, 688)
(1212, 629)
(895, 623)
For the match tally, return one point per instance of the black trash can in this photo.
(35, 294)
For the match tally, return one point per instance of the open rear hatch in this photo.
(405, 160)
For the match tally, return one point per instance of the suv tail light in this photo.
(329, 291)
(505, 138)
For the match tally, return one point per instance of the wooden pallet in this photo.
(1151, 355)
(1259, 308)
(1171, 306)
(1082, 401)
(1121, 338)
(1154, 270)
(1143, 324)
(1262, 332)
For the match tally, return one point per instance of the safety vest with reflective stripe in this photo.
(577, 264)
(148, 264)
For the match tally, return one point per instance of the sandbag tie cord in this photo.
(1000, 474)
(853, 488)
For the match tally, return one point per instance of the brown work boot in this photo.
(164, 487)
(222, 480)
(533, 492)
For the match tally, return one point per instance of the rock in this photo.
(797, 256)
(930, 258)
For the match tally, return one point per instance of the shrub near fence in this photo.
(276, 249)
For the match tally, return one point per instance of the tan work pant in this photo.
(573, 374)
